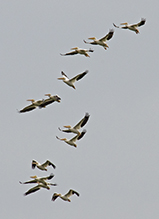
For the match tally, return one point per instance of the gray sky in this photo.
(115, 166)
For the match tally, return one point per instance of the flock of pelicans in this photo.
(42, 181)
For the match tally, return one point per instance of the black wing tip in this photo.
(51, 176)
(91, 50)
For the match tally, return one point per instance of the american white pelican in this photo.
(36, 188)
(132, 27)
(78, 51)
(39, 180)
(102, 41)
(70, 82)
(76, 128)
(74, 139)
(66, 196)
(50, 100)
(42, 166)
(32, 106)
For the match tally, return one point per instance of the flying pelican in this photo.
(78, 51)
(66, 196)
(42, 166)
(79, 125)
(132, 27)
(50, 100)
(74, 139)
(70, 82)
(38, 180)
(36, 188)
(32, 106)
(102, 41)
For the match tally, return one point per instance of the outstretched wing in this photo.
(34, 189)
(55, 196)
(123, 27)
(79, 76)
(142, 22)
(69, 53)
(65, 130)
(28, 108)
(82, 122)
(108, 36)
(81, 135)
(48, 163)
(33, 165)
(71, 192)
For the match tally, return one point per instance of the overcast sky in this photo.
(115, 167)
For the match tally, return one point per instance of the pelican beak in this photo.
(91, 38)
(48, 95)
(124, 23)
(67, 126)
(33, 177)
(74, 48)
(60, 78)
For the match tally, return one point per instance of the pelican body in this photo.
(132, 27)
(33, 106)
(102, 41)
(66, 196)
(74, 139)
(75, 129)
(42, 166)
(78, 51)
(70, 82)
(50, 100)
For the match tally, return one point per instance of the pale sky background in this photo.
(115, 167)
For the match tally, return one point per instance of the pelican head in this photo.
(58, 99)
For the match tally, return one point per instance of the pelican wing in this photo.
(81, 135)
(33, 165)
(70, 53)
(108, 36)
(74, 138)
(28, 108)
(46, 102)
(71, 192)
(55, 196)
(64, 75)
(30, 181)
(82, 122)
(48, 177)
(65, 130)
(34, 189)
(142, 22)
(48, 163)
(78, 77)
(124, 27)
